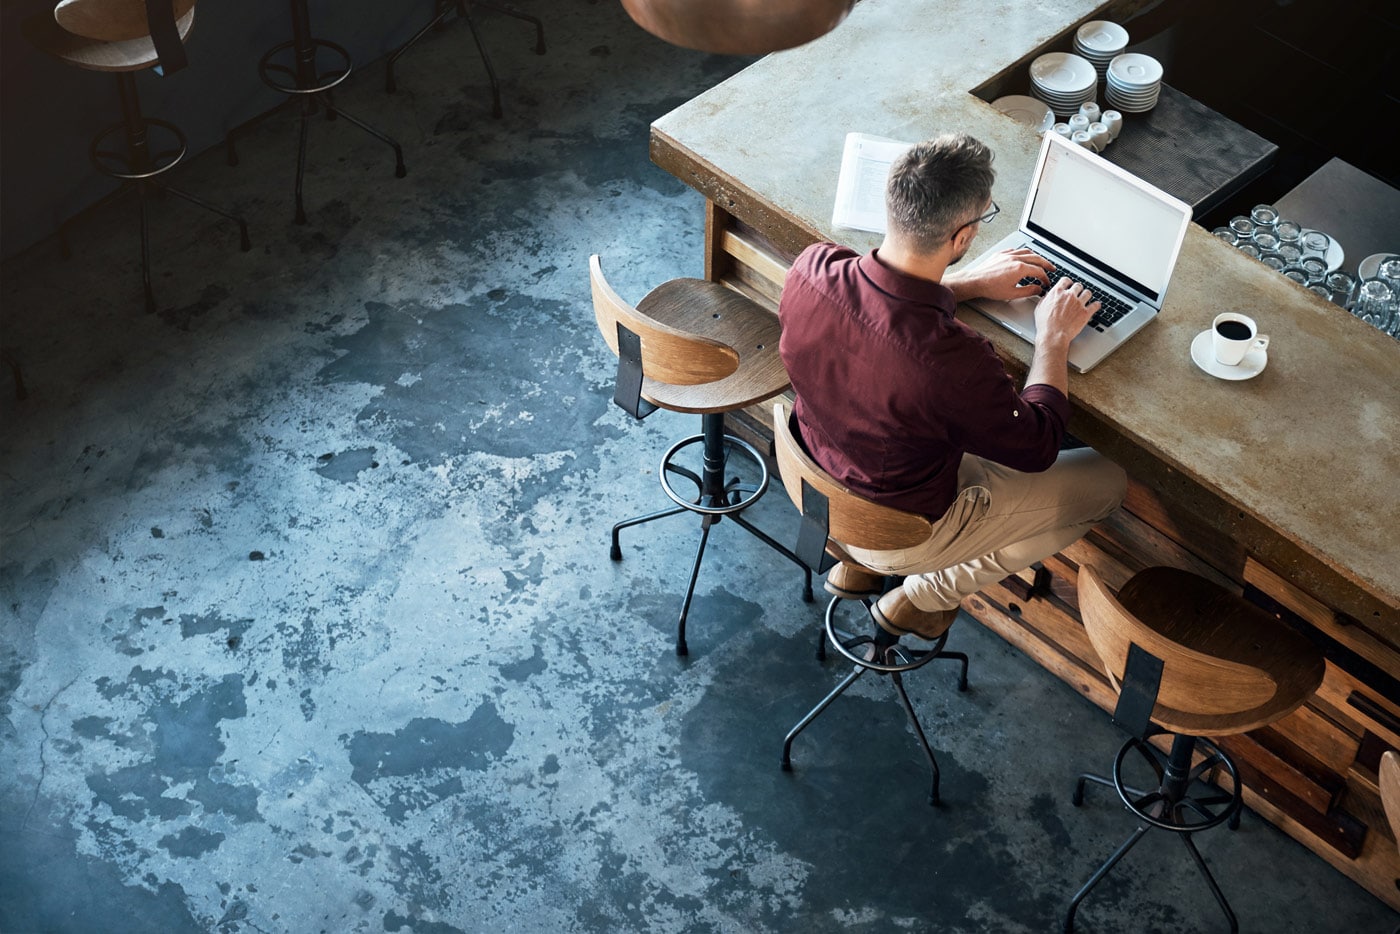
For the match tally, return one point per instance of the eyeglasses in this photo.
(985, 218)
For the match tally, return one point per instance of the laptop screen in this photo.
(1100, 215)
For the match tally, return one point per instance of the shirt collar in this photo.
(907, 287)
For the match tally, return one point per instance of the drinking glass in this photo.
(1375, 303)
(1315, 267)
(1341, 285)
(1291, 252)
(1248, 249)
(1316, 243)
(1226, 234)
(1288, 231)
(1296, 274)
(1389, 270)
(1265, 240)
(1242, 226)
(1321, 289)
(1273, 261)
(1264, 215)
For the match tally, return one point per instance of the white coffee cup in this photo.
(1062, 129)
(1078, 122)
(1113, 120)
(1099, 136)
(1090, 110)
(1235, 335)
(1082, 138)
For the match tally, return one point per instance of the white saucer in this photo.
(1027, 110)
(1335, 256)
(1203, 355)
(1368, 267)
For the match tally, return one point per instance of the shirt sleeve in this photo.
(1021, 430)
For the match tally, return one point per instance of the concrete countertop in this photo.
(1310, 448)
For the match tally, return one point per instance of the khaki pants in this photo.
(1003, 521)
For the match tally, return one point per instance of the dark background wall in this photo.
(51, 110)
(1317, 77)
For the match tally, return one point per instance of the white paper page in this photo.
(860, 188)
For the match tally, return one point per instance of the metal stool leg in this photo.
(816, 712)
(490, 72)
(512, 11)
(919, 732)
(1103, 871)
(705, 524)
(1210, 880)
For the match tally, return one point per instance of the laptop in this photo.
(1101, 226)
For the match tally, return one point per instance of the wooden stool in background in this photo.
(294, 68)
(114, 36)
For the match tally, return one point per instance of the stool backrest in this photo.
(669, 355)
(854, 520)
(111, 20)
(1227, 667)
(1390, 790)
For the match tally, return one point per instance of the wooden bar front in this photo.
(1285, 488)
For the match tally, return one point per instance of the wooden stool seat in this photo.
(88, 49)
(710, 311)
(1231, 667)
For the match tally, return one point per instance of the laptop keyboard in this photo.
(1111, 308)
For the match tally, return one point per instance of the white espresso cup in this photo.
(1235, 335)
(1113, 120)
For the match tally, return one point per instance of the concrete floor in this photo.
(308, 621)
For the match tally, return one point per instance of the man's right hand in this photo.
(1063, 312)
(1061, 315)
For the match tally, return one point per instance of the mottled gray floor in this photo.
(308, 622)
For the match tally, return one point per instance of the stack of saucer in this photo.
(1099, 41)
(1134, 82)
(1063, 81)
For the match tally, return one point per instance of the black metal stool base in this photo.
(152, 148)
(715, 498)
(462, 7)
(1172, 805)
(307, 79)
(881, 652)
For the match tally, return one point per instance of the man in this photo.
(909, 407)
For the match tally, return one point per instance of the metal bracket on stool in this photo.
(628, 392)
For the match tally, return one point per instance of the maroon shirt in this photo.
(892, 389)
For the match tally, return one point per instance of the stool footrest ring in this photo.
(734, 497)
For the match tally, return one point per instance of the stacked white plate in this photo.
(1100, 41)
(1134, 82)
(1028, 110)
(1064, 81)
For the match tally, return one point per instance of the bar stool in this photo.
(834, 518)
(463, 8)
(114, 36)
(1190, 660)
(295, 68)
(691, 345)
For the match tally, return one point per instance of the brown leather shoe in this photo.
(898, 615)
(852, 582)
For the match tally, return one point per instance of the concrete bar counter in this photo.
(1285, 486)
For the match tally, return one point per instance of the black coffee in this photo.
(1233, 330)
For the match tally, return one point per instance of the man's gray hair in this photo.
(937, 187)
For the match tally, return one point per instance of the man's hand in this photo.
(1000, 276)
(1060, 316)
